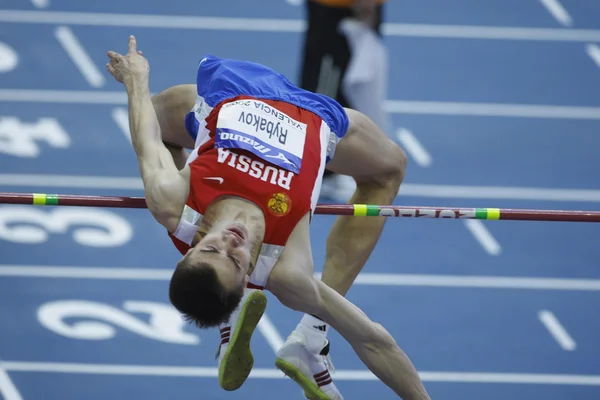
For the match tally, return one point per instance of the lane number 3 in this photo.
(30, 225)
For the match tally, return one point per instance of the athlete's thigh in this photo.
(171, 106)
(365, 151)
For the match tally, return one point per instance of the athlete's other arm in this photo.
(171, 106)
(293, 282)
(165, 188)
(179, 155)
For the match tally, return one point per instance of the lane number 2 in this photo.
(99, 321)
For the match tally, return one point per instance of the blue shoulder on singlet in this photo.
(219, 79)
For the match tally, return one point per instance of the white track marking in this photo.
(263, 373)
(153, 21)
(491, 110)
(270, 332)
(452, 281)
(594, 52)
(292, 25)
(482, 282)
(121, 118)
(41, 3)
(295, 2)
(407, 190)
(558, 332)
(9, 58)
(86, 182)
(498, 192)
(392, 106)
(133, 274)
(413, 147)
(483, 236)
(80, 58)
(8, 390)
(491, 33)
(558, 12)
(63, 96)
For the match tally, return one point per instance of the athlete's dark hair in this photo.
(197, 293)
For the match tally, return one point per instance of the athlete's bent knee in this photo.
(399, 164)
(396, 163)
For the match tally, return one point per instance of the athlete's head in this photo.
(209, 281)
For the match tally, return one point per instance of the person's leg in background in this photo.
(325, 57)
(325, 52)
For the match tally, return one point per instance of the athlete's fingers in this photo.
(132, 44)
(114, 55)
(113, 63)
(111, 70)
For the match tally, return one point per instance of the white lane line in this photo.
(558, 12)
(391, 106)
(79, 56)
(270, 332)
(558, 332)
(70, 181)
(265, 373)
(407, 189)
(481, 282)
(413, 147)
(491, 33)
(153, 21)
(63, 96)
(121, 118)
(491, 109)
(41, 3)
(8, 390)
(594, 52)
(483, 236)
(291, 25)
(450, 281)
(295, 2)
(498, 192)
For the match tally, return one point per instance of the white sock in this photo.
(314, 329)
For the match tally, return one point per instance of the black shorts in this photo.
(326, 53)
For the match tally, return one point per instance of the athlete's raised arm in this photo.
(165, 188)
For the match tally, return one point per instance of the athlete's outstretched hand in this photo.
(129, 67)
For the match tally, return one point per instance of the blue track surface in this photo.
(98, 337)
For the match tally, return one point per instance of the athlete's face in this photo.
(228, 251)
